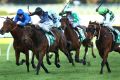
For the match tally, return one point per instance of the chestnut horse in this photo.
(18, 44)
(104, 42)
(73, 38)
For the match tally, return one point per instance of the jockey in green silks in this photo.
(108, 19)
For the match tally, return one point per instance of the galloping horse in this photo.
(33, 39)
(105, 42)
(73, 38)
(18, 44)
(41, 42)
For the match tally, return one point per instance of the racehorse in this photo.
(18, 44)
(73, 38)
(34, 39)
(105, 42)
(40, 40)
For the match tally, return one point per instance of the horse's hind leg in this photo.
(77, 57)
(108, 68)
(57, 59)
(32, 61)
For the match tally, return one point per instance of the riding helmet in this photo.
(102, 10)
(38, 10)
(20, 12)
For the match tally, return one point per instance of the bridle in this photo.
(95, 30)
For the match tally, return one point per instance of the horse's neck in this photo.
(103, 32)
(17, 33)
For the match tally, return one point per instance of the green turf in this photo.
(9, 70)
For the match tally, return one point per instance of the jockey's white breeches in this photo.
(57, 24)
(47, 25)
(75, 24)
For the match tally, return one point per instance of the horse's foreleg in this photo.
(40, 60)
(27, 61)
(44, 68)
(84, 58)
(56, 59)
(17, 55)
(105, 55)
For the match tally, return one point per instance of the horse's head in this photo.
(93, 30)
(64, 22)
(8, 25)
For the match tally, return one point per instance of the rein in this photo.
(14, 27)
(99, 32)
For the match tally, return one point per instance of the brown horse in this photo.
(73, 38)
(18, 44)
(104, 42)
(39, 38)
(33, 39)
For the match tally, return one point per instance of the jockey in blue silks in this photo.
(22, 18)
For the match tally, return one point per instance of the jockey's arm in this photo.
(27, 19)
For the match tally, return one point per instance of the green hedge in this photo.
(3, 12)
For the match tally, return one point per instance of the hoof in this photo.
(101, 72)
(109, 71)
(58, 65)
(79, 61)
(49, 63)
(33, 66)
(94, 56)
(84, 62)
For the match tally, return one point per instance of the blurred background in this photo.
(84, 8)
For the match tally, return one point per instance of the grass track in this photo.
(9, 70)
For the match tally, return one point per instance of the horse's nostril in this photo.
(1, 31)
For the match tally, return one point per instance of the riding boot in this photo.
(76, 29)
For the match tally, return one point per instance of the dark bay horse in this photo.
(18, 44)
(104, 42)
(41, 42)
(73, 38)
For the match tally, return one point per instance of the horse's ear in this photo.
(12, 18)
(89, 22)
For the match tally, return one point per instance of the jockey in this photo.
(108, 17)
(55, 18)
(72, 17)
(22, 18)
(45, 22)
